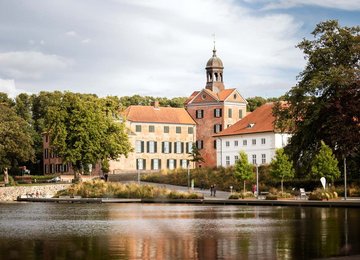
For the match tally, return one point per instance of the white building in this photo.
(255, 134)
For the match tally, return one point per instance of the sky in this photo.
(158, 47)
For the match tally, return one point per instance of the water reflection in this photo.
(158, 231)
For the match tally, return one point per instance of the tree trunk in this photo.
(282, 186)
(6, 176)
(244, 187)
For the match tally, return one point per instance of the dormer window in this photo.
(251, 125)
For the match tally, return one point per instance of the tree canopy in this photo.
(281, 167)
(325, 164)
(325, 103)
(16, 144)
(243, 170)
(84, 132)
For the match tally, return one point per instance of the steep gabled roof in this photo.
(210, 96)
(259, 121)
(150, 114)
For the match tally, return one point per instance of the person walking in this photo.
(214, 190)
(211, 190)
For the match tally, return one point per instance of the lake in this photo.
(175, 231)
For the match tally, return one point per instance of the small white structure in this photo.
(255, 134)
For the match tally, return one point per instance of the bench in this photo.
(303, 194)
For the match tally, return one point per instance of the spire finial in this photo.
(214, 50)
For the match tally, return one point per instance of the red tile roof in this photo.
(218, 97)
(150, 114)
(261, 120)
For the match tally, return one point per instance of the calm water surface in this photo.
(162, 231)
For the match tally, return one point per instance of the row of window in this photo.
(166, 147)
(166, 129)
(254, 161)
(158, 164)
(245, 142)
(200, 113)
(56, 168)
(49, 153)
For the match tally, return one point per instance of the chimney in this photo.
(155, 104)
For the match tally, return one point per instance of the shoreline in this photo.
(289, 203)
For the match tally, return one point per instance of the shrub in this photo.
(321, 194)
(271, 197)
(101, 189)
(234, 196)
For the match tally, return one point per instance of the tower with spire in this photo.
(214, 108)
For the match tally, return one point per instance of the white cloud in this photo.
(71, 34)
(349, 5)
(30, 64)
(8, 86)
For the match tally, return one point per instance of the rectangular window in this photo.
(253, 141)
(200, 144)
(240, 113)
(217, 128)
(189, 147)
(139, 146)
(227, 160)
(199, 113)
(46, 138)
(46, 153)
(66, 167)
(217, 112)
(178, 147)
(46, 168)
(166, 129)
(138, 128)
(263, 158)
(244, 142)
(263, 141)
(151, 129)
(227, 143)
(152, 147)
(140, 164)
(52, 168)
(254, 158)
(171, 164)
(166, 147)
(236, 143)
(178, 129)
(236, 157)
(230, 113)
(184, 164)
(190, 130)
(155, 164)
(215, 144)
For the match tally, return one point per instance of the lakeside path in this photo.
(220, 199)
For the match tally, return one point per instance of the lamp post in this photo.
(138, 166)
(188, 175)
(345, 197)
(257, 180)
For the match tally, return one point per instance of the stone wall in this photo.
(49, 190)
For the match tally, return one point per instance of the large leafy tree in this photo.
(243, 170)
(325, 103)
(15, 139)
(281, 167)
(84, 132)
(195, 155)
(325, 164)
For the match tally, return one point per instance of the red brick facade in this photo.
(214, 108)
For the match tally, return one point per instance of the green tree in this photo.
(82, 132)
(15, 139)
(243, 170)
(325, 164)
(195, 155)
(281, 167)
(325, 103)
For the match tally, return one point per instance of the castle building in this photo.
(162, 138)
(214, 109)
(256, 135)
